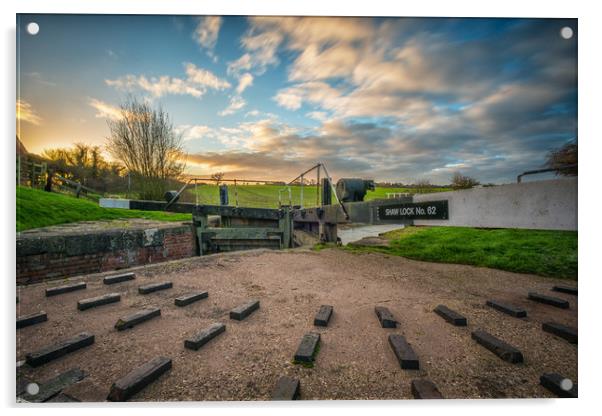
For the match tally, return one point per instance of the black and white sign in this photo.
(431, 210)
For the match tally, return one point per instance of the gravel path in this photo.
(355, 360)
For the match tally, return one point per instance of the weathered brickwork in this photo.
(44, 257)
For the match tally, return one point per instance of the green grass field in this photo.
(267, 196)
(37, 208)
(545, 253)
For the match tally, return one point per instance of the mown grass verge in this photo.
(545, 253)
(36, 208)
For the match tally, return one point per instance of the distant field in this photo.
(546, 253)
(268, 196)
(37, 208)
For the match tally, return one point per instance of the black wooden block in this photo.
(31, 319)
(408, 360)
(84, 304)
(124, 388)
(323, 315)
(58, 290)
(553, 382)
(307, 348)
(565, 289)
(59, 349)
(54, 386)
(507, 309)
(190, 298)
(549, 300)
(385, 317)
(136, 318)
(245, 310)
(204, 336)
(118, 278)
(63, 398)
(503, 350)
(562, 331)
(146, 289)
(450, 316)
(286, 389)
(425, 389)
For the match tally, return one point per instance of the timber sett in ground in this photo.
(323, 315)
(59, 290)
(286, 388)
(559, 385)
(136, 318)
(31, 319)
(503, 350)
(154, 287)
(385, 317)
(241, 312)
(562, 331)
(425, 389)
(59, 349)
(190, 298)
(549, 300)
(124, 388)
(118, 278)
(508, 309)
(205, 336)
(308, 348)
(408, 360)
(450, 316)
(84, 304)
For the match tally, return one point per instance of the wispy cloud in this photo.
(261, 52)
(236, 103)
(197, 82)
(245, 80)
(206, 33)
(25, 112)
(105, 110)
(193, 132)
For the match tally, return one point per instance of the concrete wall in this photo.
(546, 205)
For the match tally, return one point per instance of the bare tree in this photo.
(562, 157)
(145, 141)
(460, 181)
(422, 186)
(217, 177)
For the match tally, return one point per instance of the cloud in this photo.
(317, 115)
(37, 77)
(205, 78)
(206, 33)
(236, 103)
(398, 98)
(26, 113)
(105, 110)
(196, 84)
(245, 80)
(193, 132)
(261, 52)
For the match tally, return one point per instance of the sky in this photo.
(391, 99)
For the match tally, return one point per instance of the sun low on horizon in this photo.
(392, 98)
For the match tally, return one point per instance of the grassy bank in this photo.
(37, 208)
(267, 196)
(545, 253)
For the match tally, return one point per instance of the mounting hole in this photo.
(32, 389)
(33, 28)
(566, 384)
(566, 32)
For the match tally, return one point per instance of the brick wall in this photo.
(42, 258)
